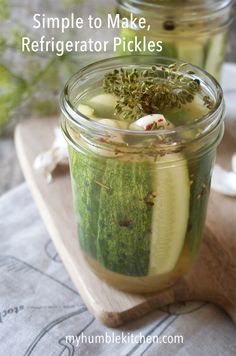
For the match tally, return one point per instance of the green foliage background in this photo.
(30, 83)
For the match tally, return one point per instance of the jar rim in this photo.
(185, 13)
(78, 119)
(194, 6)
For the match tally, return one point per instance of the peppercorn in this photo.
(169, 25)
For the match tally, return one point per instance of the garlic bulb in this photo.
(47, 161)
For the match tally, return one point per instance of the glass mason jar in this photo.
(140, 203)
(192, 30)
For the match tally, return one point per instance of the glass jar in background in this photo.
(192, 30)
(140, 197)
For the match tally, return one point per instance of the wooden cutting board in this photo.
(212, 278)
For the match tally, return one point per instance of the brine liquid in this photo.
(115, 197)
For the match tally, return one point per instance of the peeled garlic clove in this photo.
(150, 122)
(86, 111)
(234, 163)
(105, 152)
(104, 104)
(47, 161)
(45, 164)
(119, 124)
(110, 122)
(224, 181)
(116, 137)
(59, 140)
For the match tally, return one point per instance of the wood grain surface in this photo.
(212, 278)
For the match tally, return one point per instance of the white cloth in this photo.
(39, 305)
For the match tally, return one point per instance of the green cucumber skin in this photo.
(84, 172)
(191, 53)
(169, 50)
(215, 54)
(200, 175)
(103, 213)
(114, 221)
(125, 218)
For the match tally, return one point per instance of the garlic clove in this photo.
(234, 163)
(47, 161)
(150, 122)
(104, 104)
(86, 111)
(117, 137)
(59, 140)
(224, 181)
(110, 122)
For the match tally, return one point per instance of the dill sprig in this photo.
(152, 90)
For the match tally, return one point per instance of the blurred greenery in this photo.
(4, 10)
(11, 93)
(71, 2)
(29, 82)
